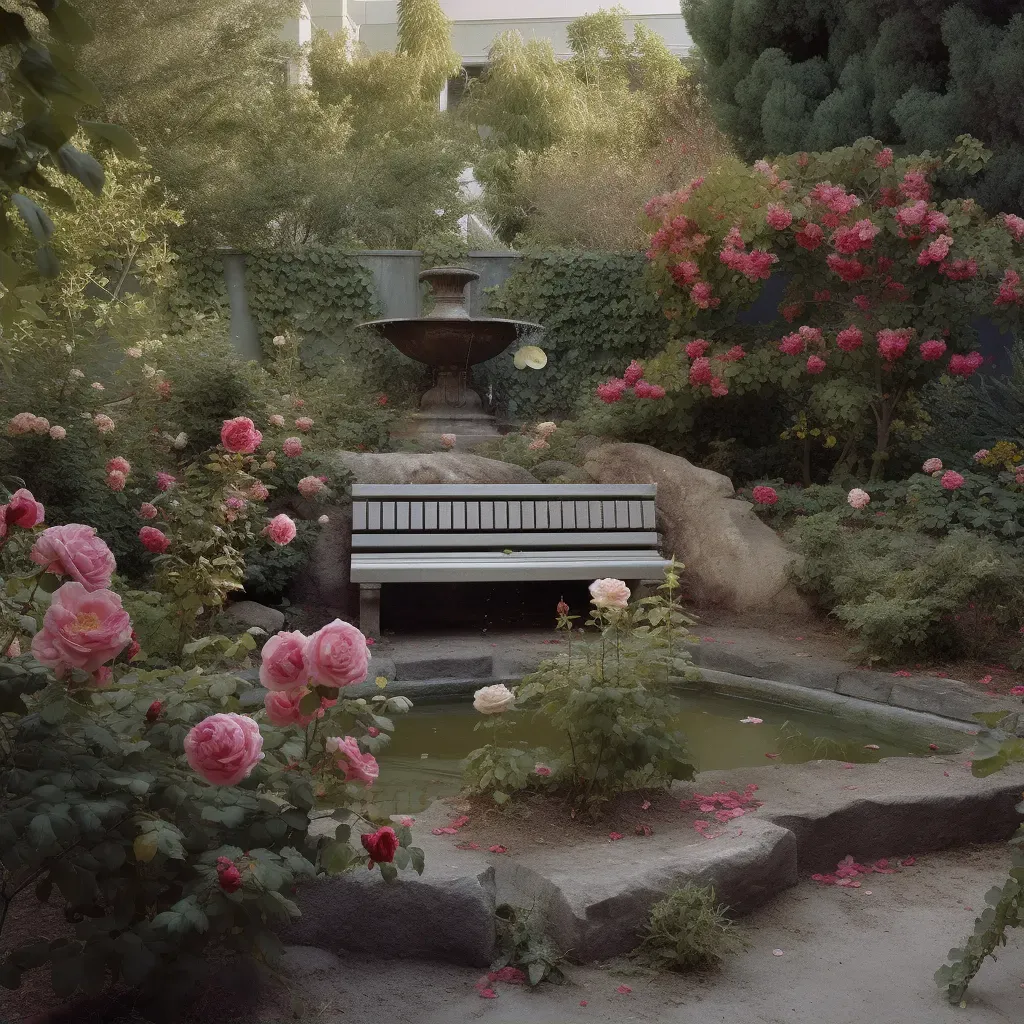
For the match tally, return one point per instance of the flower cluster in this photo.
(613, 390)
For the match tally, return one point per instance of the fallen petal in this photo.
(777, 952)
(751, 721)
(872, 746)
(623, 990)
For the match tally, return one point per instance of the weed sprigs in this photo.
(689, 931)
(523, 945)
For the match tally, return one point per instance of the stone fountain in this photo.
(451, 341)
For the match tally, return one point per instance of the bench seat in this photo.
(444, 533)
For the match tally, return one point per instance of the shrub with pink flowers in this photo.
(162, 803)
(882, 286)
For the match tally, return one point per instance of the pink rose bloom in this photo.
(448, 441)
(951, 480)
(609, 593)
(541, 769)
(119, 464)
(277, 420)
(932, 350)
(58, 433)
(82, 629)
(357, 766)
(240, 435)
(932, 466)
(310, 486)
(22, 423)
(849, 339)
(695, 349)
(154, 540)
(280, 529)
(148, 510)
(14, 648)
(633, 373)
(292, 447)
(104, 424)
(764, 495)
(304, 423)
(980, 455)
(1018, 475)
(815, 364)
(283, 708)
(75, 550)
(538, 444)
(224, 748)
(778, 217)
(337, 655)
(284, 661)
(883, 158)
(165, 481)
(259, 492)
(116, 480)
(858, 498)
(23, 510)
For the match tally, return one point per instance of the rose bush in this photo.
(882, 288)
(159, 815)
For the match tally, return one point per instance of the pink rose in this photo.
(310, 486)
(259, 492)
(609, 593)
(58, 433)
(119, 464)
(357, 766)
(858, 498)
(75, 550)
(23, 510)
(337, 655)
(104, 424)
(284, 661)
(280, 529)
(951, 480)
(277, 420)
(765, 495)
(932, 466)
(283, 708)
(154, 540)
(148, 510)
(541, 769)
(304, 423)
(292, 447)
(448, 441)
(165, 481)
(240, 435)
(116, 480)
(224, 748)
(81, 629)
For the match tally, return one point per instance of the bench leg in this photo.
(369, 609)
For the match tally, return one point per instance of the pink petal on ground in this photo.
(487, 993)
(460, 821)
(872, 746)
(613, 836)
(646, 805)
(497, 849)
(709, 639)
(908, 862)
(443, 831)
(946, 774)
(751, 720)
(771, 755)
(623, 990)
(778, 952)
(509, 975)
(847, 764)
(583, 1002)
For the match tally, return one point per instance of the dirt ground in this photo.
(847, 956)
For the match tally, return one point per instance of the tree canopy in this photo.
(791, 75)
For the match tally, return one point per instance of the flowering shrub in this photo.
(882, 285)
(146, 803)
(612, 698)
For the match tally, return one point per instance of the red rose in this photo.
(228, 875)
(153, 711)
(562, 608)
(380, 845)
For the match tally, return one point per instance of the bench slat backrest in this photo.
(488, 516)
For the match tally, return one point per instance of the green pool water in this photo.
(423, 760)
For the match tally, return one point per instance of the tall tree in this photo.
(424, 33)
(791, 75)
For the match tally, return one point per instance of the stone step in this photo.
(444, 667)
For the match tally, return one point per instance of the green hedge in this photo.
(598, 311)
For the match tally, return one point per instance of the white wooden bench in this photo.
(435, 533)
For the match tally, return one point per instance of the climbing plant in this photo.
(596, 312)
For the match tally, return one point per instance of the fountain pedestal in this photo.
(452, 341)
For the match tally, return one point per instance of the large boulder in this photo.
(325, 584)
(732, 558)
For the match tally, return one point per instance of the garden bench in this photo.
(460, 533)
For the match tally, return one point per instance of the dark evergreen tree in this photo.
(791, 75)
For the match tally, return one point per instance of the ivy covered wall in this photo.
(598, 311)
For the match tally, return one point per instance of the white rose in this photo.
(609, 593)
(280, 340)
(493, 700)
(323, 520)
(547, 428)
(180, 441)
